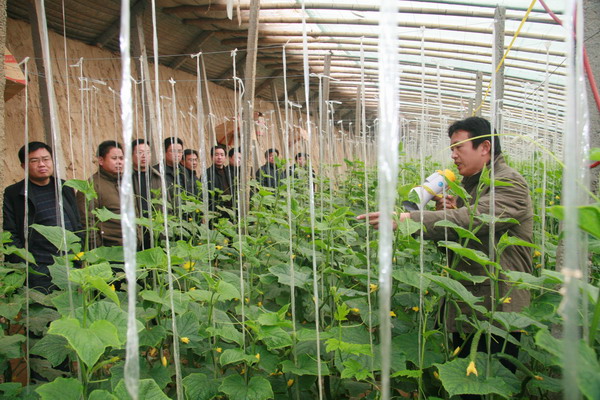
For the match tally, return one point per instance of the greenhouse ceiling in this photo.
(442, 46)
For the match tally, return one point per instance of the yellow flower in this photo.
(163, 360)
(456, 351)
(373, 287)
(113, 287)
(79, 255)
(218, 350)
(537, 377)
(243, 371)
(557, 197)
(293, 256)
(415, 308)
(290, 382)
(185, 340)
(257, 356)
(360, 185)
(189, 266)
(471, 369)
(190, 219)
(536, 253)
(247, 300)
(192, 289)
(436, 375)
(197, 210)
(152, 352)
(356, 310)
(259, 304)
(235, 299)
(538, 265)
(392, 314)
(218, 247)
(506, 300)
(551, 203)
(268, 255)
(225, 241)
(289, 314)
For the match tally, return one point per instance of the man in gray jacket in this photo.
(471, 143)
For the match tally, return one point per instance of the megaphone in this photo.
(432, 187)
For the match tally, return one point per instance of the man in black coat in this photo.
(270, 175)
(42, 209)
(218, 181)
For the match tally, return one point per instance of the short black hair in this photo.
(172, 140)
(32, 146)
(136, 143)
(233, 150)
(271, 151)
(188, 152)
(297, 156)
(214, 148)
(479, 130)
(105, 147)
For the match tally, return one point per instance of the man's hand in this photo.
(374, 219)
(448, 202)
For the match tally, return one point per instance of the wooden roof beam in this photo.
(192, 48)
(113, 29)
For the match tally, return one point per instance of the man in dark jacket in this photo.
(189, 162)
(218, 181)
(145, 179)
(42, 209)
(270, 175)
(174, 178)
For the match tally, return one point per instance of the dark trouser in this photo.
(496, 345)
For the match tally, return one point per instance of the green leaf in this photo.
(156, 372)
(10, 390)
(348, 348)
(475, 255)
(198, 387)
(274, 337)
(595, 154)
(53, 348)
(84, 186)
(454, 378)
(589, 217)
(462, 232)
(302, 276)
(152, 258)
(188, 326)
(226, 291)
(457, 289)
(102, 270)
(89, 343)
(101, 395)
(61, 388)
(103, 310)
(103, 214)
(235, 388)
(148, 390)
(408, 373)
(236, 356)
(10, 346)
(57, 236)
(306, 366)
(354, 369)
(411, 277)
(465, 276)
(513, 321)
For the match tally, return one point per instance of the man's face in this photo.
(191, 162)
(235, 159)
(112, 162)
(219, 158)
(301, 161)
(41, 166)
(174, 154)
(271, 157)
(142, 157)
(468, 160)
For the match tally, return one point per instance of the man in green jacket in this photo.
(472, 151)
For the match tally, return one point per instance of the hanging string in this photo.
(312, 204)
(163, 185)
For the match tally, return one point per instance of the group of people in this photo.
(45, 193)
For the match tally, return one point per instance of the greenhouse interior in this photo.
(347, 199)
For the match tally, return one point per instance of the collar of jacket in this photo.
(29, 183)
(470, 182)
(113, 178)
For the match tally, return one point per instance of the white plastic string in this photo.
(26, 223)
(363, 124)
(67, 80)
(132, 364)
(41, 14)
(546, 133)
(576, 155)
(387, 171)
(312, 203)
(163, 185)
